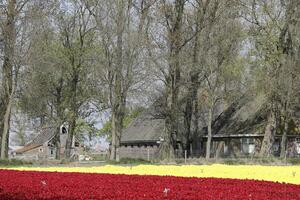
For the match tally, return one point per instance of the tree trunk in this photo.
(9, 35)
(167, 148)
(284, 139)
(1, 120)
(209, 134)
(119, 91)
(59, 117)
(117, 122)
(113, 139)
(5, 134)
(193, 87)
(74, 113)
(267, 143)
(187, 125)
(190, 108)
(116, 128)
(57, 143)
(173, 79)
(70, 138)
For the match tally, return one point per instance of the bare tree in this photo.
(122, 41)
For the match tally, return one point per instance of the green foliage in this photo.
(14, 162)
(234, 162)
(105, 130)
(131, 161)
(98, 157)
(294, 161)
(82, 126)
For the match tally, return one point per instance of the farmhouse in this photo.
(42, 147)
(238, 131)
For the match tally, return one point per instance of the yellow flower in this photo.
(288, 174)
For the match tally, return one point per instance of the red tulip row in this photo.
(52, 185)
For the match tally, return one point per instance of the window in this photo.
(76, 144)
(248, 145)
(298, 145)
(63, 130)
(298, 148)
(226, 149)
(51, 152)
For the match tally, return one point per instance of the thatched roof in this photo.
(145, 128)
(245, 116)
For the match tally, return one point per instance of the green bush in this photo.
(234, 162)
(14, 162)
(98, 157)
(294, 161)
(130, 161)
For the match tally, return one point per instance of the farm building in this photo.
(141, 139)
(238, 131)
(42, 147)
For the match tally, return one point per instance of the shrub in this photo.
(14, 162)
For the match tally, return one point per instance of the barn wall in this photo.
(137, 152)
(293, 148)
(234, 148)
(38, 153)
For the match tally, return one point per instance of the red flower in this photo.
(52, 185)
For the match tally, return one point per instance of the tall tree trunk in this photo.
(270, 130)
(57, 143)
(197, 138)
(59, 116)
(1, 119)
(113, 138)
(74, 113)
(171, 122)
(119, 101)
(9, 35)
(70, 138)
(284, 139)
(190, 108)
(192, 89)
(117, 125)
(285, 130)
(209, 133)
(5, 134)
(186, 141)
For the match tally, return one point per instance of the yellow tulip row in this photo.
(287, 174)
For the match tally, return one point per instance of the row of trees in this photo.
(63, 60)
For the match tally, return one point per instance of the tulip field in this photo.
(151, 182)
